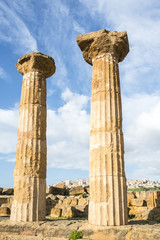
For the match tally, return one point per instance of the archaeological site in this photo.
(102, 209)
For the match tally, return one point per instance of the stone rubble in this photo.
(144, 205)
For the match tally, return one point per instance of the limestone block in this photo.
(148, 197)
(3, 199)
(141, 213)
(68, 212)
(56, 212)
(1, 189)
(76, 190)
(81, 210)
(7, 205)
(136, 202)
(83, 201)
(87, 189)
(8, 191)
(157, 199)
(60, 197)
(50, 201)
(154, 214)
(51, 196)
(56, 190)
(67, 201)
(4, 211)
(50, 204)
(130, 196)
(60, 185)
(74, 202)
(59, 204)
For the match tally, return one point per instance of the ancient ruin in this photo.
(30, 168)
(108, 198)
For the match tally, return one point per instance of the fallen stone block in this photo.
(8, 191)
(68, 212)
(83, 201)
(4, 211)
(74, 202)
(76, 190)
(137, 202)
(56, 190)
(56, 212)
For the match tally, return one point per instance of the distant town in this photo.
(131, 184)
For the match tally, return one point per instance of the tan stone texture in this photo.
(30, 166)
(108, 197)
(56, 212)
(61, 230)
(4, 211)
(76, 190)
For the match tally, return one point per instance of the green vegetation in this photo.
(142, 189)
(75, 235)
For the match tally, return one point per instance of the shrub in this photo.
(75, 235)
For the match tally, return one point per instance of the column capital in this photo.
(36, 62)
(98, 43)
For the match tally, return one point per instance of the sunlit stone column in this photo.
(30, 168)
(108, 203)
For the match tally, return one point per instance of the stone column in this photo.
(30, 168)
(108, 197)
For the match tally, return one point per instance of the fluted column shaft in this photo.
(108, 205)
(30, 167)
(108, 198)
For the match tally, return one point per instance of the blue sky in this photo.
(51, 27)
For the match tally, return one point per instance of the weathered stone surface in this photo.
(56, 212)
(108, 197)
(101, 42)
(137, 202)
(83, 201)
(4, 211)
(87, 190)
(61, 197)
(157, 199)
(57, 190)
(68, 212)
(36, 62)
(61, 229)
(1, 189)
(50, 203)
(67, 201)
(76, 190)
(30, 167)
(74, 202)
(60, 185)
(8, 191)
(3, 200)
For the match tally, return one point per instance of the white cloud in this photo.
(141, 20)
(67, 131)
(141, 114)
(59, 40)
(3, 74)
(8, 130)
(14, 31)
